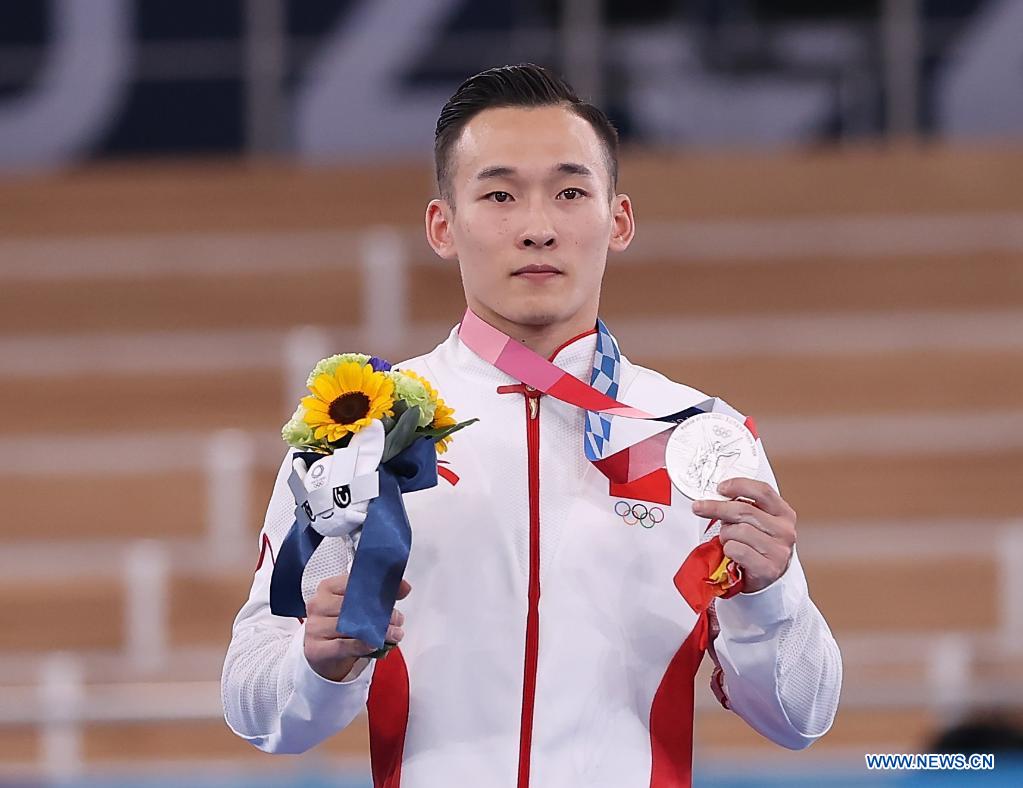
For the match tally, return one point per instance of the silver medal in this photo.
(706, 449)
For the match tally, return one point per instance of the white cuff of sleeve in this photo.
(755, 615)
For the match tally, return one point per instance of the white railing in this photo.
(147, 604)
(227, 464)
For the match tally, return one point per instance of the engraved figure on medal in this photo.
(706, 449)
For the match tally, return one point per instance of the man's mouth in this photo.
(537, 271)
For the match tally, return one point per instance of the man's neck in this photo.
(541, 339)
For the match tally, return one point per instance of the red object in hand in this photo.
(694, 578)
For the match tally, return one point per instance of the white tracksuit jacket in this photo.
(545, 642)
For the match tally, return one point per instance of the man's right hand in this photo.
(326, 651)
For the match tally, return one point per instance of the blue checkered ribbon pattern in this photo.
(607, 367)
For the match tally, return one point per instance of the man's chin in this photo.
(536, 310)
(537, 319)
(536, 313)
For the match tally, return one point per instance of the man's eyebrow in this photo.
(500, 171)
(571, 168)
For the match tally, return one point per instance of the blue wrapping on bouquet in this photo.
(381, 556)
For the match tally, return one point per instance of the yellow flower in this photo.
(347, 399)
(443, 417)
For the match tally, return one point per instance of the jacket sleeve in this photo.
(778, 665)
(271, 696)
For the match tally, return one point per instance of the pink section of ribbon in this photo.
(482, 338)
(526, 366)
(516, 359)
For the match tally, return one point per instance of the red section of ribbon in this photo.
(752, 426)
(573, 391)
(615, 467)
(692, 579)
(654, 487)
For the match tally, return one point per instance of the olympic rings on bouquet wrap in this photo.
(336, 489)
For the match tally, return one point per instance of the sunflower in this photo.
(347, 399)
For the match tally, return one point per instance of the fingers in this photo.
(321, 627)
(324, 608)
(325, 628)
(747, 535)
(765, 496)
(734, 512)
(338, 584)
(324, 652)
(753, 563)
(329, 608)
(333, 585)
(394, 634)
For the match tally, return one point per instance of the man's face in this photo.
(532, 217)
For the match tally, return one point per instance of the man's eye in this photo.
(572, 194)
(499, 196)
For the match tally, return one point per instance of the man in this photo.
(543, 640)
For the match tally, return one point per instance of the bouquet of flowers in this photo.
(366, 435)
(351, 390)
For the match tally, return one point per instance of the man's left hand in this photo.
(758, 532)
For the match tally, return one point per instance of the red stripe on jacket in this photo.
(388, 719)
(671, 714)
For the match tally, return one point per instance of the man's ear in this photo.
(439, 219)
(623, 225)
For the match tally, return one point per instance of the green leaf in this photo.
(445, 431)
(402, 435)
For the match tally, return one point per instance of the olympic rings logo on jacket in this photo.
(639, 514)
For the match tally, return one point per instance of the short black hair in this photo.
(522, 85)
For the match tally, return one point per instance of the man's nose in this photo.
(538, 234)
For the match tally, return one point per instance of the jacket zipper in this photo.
(533, 615)
(532, 400)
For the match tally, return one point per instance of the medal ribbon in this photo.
(641, 461)
(515, 359)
